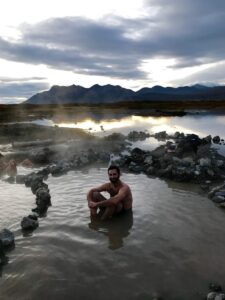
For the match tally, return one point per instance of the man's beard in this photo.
(114, 180)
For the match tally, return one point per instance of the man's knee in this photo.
(96, 196)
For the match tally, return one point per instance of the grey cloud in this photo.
(213, 74)
(4, 79)
(191, 31)
(68, 58)
(21, 90)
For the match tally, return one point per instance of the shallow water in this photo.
(173, 243)
(202, 124)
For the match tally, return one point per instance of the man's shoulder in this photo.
(125, 186)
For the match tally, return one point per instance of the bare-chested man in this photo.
(120, 196)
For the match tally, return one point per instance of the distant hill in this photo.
(76, 94)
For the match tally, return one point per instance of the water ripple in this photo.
(173, 242)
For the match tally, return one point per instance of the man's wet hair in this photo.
(114, 168)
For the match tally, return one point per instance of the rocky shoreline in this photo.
(183, 158)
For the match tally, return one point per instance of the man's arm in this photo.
(113, 200)
(102, 188)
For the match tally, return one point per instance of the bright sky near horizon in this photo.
(133, 43)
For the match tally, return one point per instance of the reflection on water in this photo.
(199, 124)
(115, 229)
(172, 244)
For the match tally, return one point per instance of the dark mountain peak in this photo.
(115, 93)
(157, 87)
(54, 88)
(95, 86)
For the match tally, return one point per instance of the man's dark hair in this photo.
(114, 168)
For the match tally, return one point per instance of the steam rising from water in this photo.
(167, 246)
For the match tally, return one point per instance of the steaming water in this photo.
(173, 243)
(102, 125)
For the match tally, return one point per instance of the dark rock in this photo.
(216, 139)
(120, 161)
(36, 184)
(137, 155)
(205, 162)
(92, 155)
(176, 160)
(219, 163)
(161, 135)
(20, 179)
(218, 199)
(148, 160)
(187, 161)
(188, 144)
(207, 140)
(150, 171)
(29, 223)
(162, 163)
(166, 172)
(43, 198)
(133, 167)
(2, 253)
(178, 135)
(216, 189)
(59, 170)
(220, 193)
(215, 296)
(82, 160)
(33, 217)
(115, 137)
(104, 156)
(137, 135)
(32, 177)
(180, 173)
(204, 150)
(41, 156)
(44, 173)
(7, 238)
(170, 147)
(10, 179)
(3, 257)
(158, 152)
(216, 292)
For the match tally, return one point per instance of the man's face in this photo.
(113, 175)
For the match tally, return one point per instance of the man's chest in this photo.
(113, 191)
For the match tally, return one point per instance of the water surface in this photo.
(173, 243)
(201, 124)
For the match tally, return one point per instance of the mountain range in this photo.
(97, 94)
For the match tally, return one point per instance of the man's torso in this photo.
(114, 190)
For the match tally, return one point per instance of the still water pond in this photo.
(103, 124)
(173, 243)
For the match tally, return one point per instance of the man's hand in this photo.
(92, 204)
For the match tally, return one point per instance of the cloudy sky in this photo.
(133, 43)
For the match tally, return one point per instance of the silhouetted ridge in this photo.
(76, 94)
